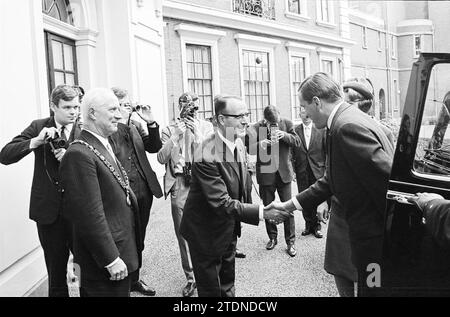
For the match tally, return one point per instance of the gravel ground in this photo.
(262, 273)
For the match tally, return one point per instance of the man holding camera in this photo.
(180, 141)
(48, 138)
(271, 140)
(137, 133)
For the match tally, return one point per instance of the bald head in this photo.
(100, 111)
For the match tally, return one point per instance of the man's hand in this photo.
(280, 134)
(118, 271)
(265, 143)
(180, 128)
(44, 135)
(322, 212)
(276, 214)
(421, 199)
(145, 112)
(59, 153)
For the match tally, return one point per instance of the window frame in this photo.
(393, 41)
(256, 43)
(303, 15)
(49, 37)
(190, 34)
(364, 37)
(211, 80)
(379, 41)
(334, 61)
(307, 58)
(416, 52)
(319, 13)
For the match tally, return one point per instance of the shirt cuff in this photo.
(112, 263)
(261, 212)
(296, 203)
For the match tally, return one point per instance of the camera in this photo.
(139, 107)
(188, 110)
(57, 143)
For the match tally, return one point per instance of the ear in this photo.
(52, 106)
(317, 102)
(91, 113)
(221, 120)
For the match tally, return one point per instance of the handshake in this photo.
(277, 212)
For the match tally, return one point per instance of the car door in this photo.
(413, 264)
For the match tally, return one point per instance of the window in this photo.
(298, 74)
(61, 61)
(199, 77)
(432, 155)
(379, 41)
(364, 37)
(393, 47)
(58, 9)
(256, 82)
(297, 6)
(260, 8)
(327, 67)
(324, 13)
(418, 45)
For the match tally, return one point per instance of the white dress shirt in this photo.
(67, 130)
(307, 133)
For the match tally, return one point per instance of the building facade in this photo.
(91, 43)
(259, 50)
(389, 37)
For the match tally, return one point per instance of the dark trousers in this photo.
(214, 275)
(56, 240)
(105, 288)
(267, 193)
(304, 180)
(145, 199)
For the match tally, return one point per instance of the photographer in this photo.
(271, 140)
(48, 138)
(137, 133)
(180, 141)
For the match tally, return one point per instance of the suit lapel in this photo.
(225, 155)
(301, 134)
(312, 140)
(92, 140)
(76, 130)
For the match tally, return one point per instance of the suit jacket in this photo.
(358, 167)
(129, 136)
(169, 154)
(314, 155)
(217, 200)
(45, 200)
(277, 158)
(104, 226)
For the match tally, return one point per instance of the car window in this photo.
(432, 155)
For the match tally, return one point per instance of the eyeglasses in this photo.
(237, 116)
(127, 104)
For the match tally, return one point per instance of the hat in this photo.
(187, 97)
(364, 89)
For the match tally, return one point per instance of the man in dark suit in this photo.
(99, 202)
(217, 201)
(45, 201)
(309, 165)
(129, 144)
(274, 170)
(359, 158)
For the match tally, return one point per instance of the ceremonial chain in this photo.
(124, 183)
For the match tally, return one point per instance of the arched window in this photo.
(58, 9)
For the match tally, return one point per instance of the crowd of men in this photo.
(93, 186)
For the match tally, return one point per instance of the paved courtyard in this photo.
(262, 273)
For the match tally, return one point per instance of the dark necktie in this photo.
(62, 133)
(240, 165)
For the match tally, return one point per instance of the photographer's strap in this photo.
(124, 183)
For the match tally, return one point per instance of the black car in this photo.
(413, 263)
